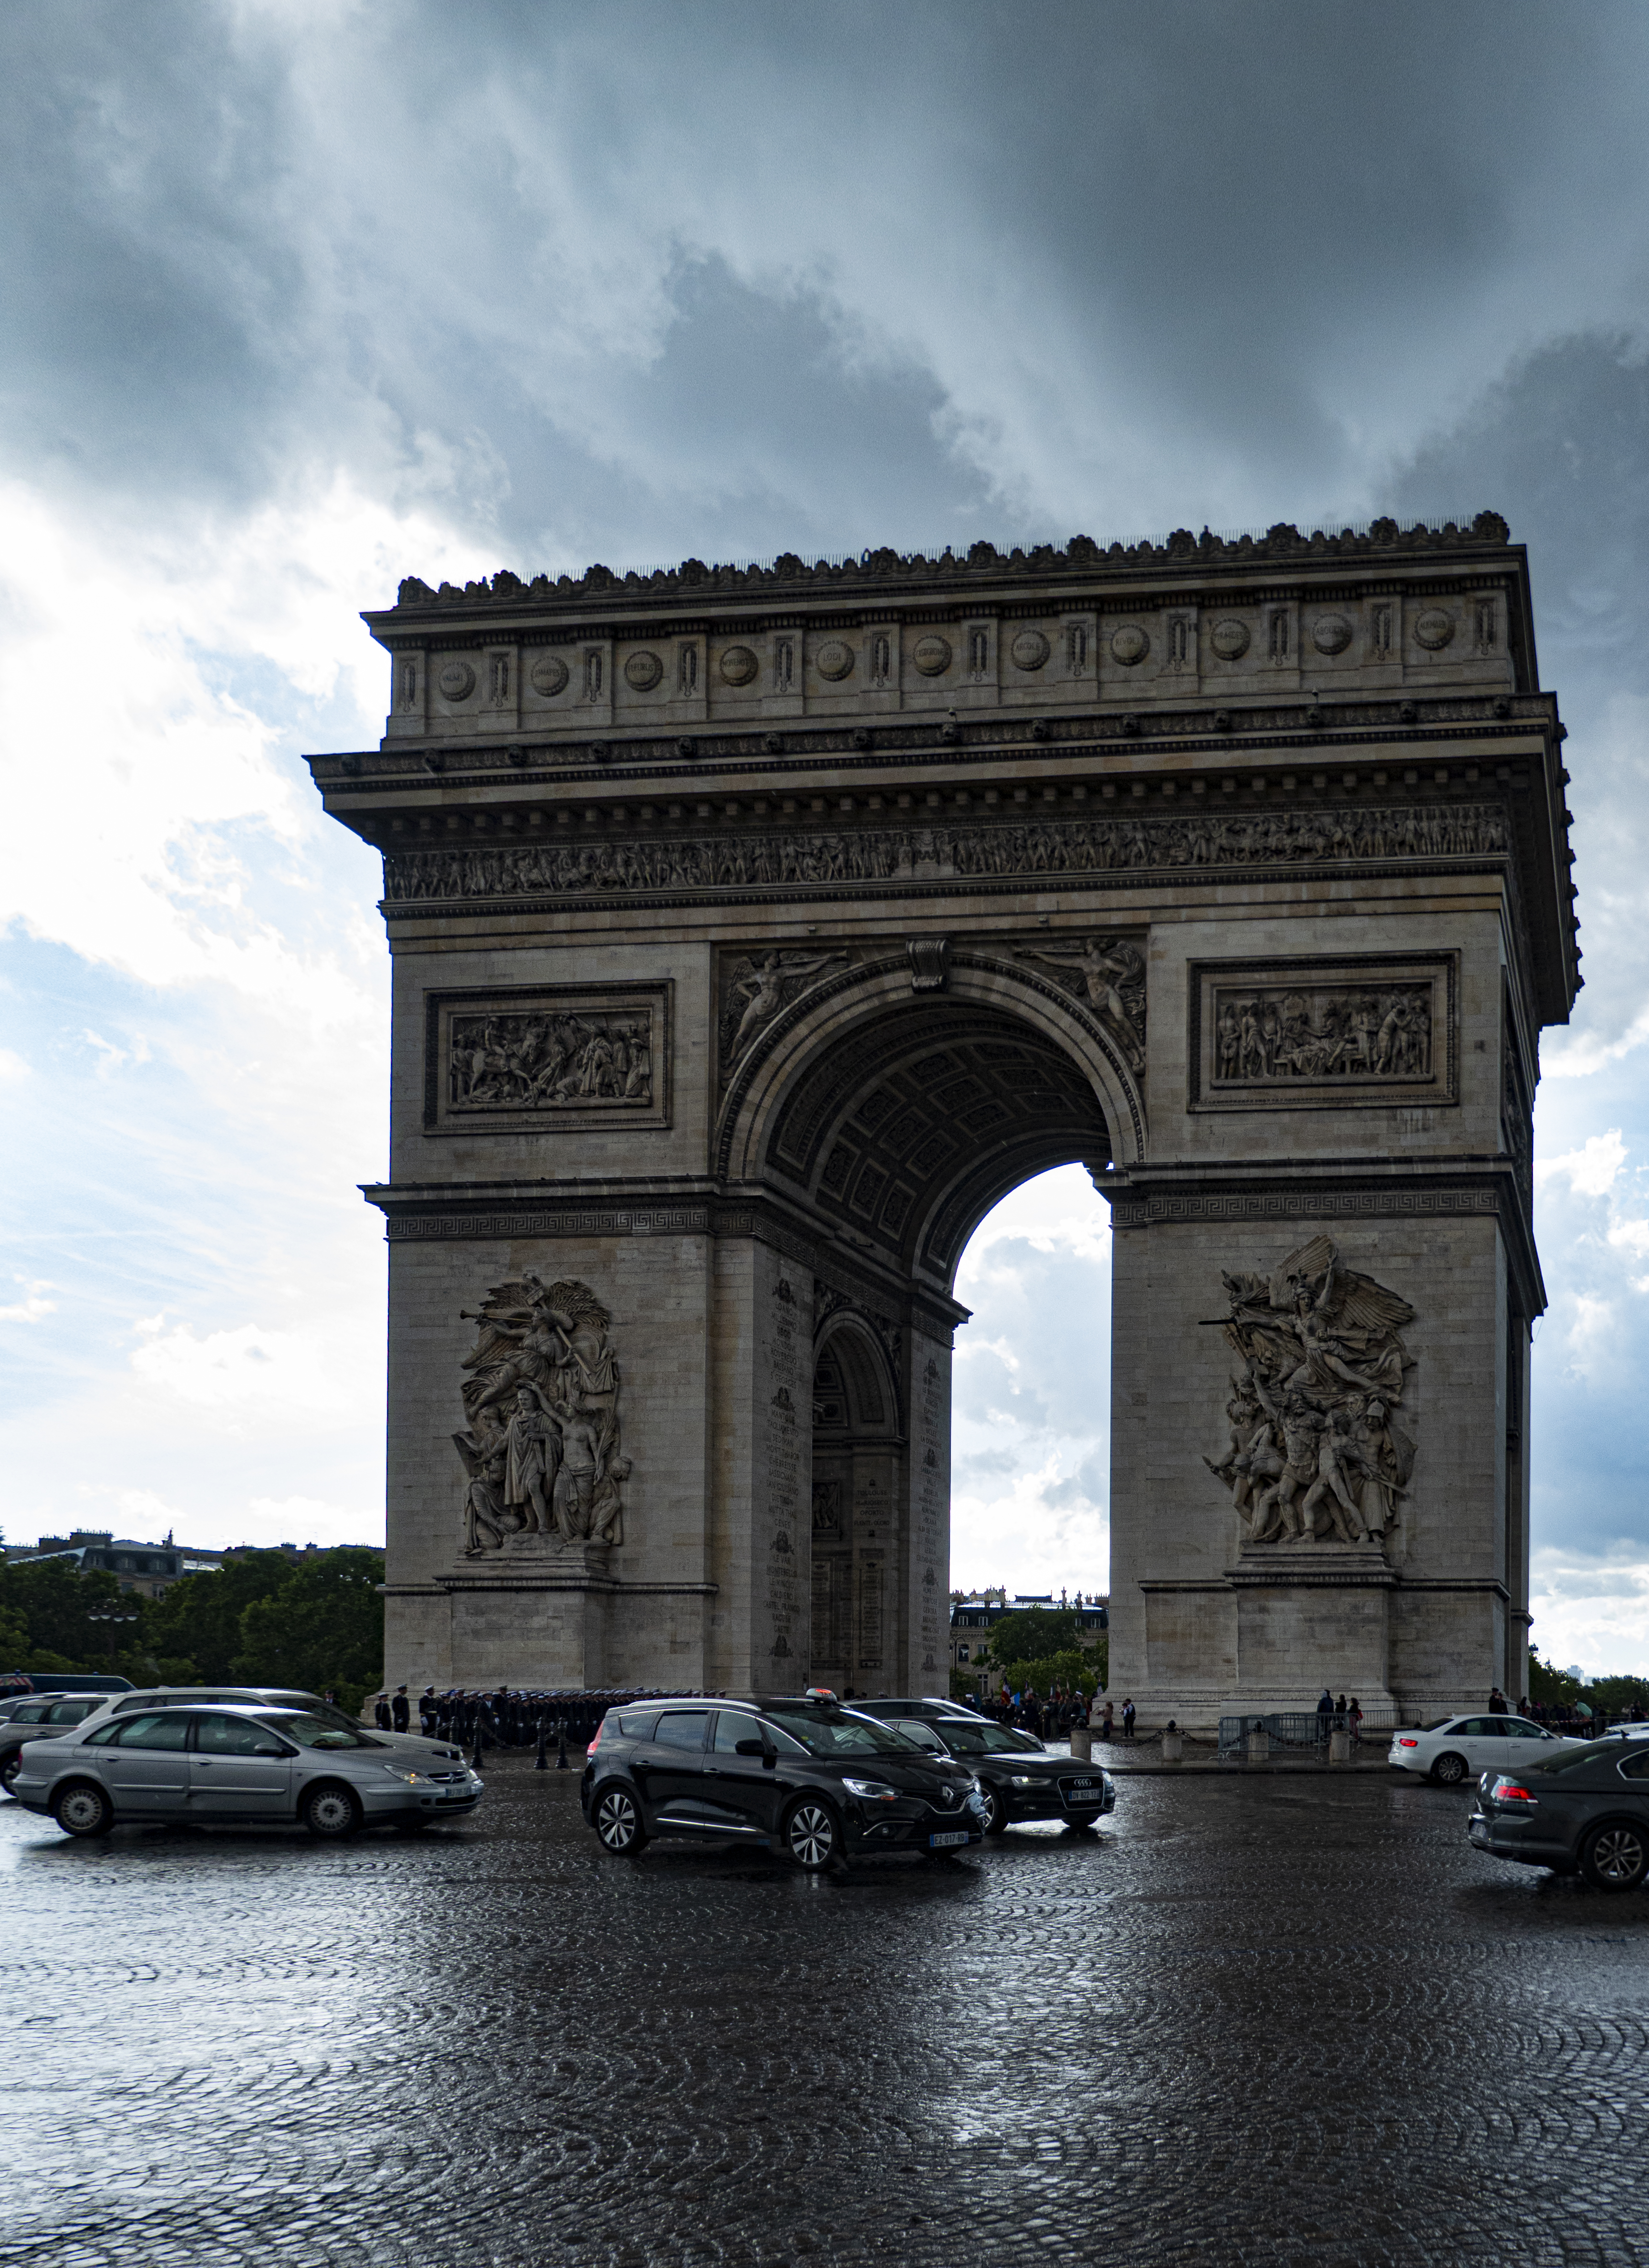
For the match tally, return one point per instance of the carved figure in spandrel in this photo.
(765, 983)
(1108, 970)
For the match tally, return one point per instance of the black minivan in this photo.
(804, 1777)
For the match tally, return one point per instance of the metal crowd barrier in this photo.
(1300, 1729)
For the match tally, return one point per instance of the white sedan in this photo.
(1453, 1748)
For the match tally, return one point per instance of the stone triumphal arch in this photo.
(755, 930)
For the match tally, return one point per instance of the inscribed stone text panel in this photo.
(1324, 1033)
(552, 1059)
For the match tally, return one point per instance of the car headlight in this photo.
(405, 1773)
(1023, 1779)
(872, 1791)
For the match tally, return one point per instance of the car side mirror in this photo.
(751, 1748)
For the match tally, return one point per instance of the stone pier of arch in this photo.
(756, 930)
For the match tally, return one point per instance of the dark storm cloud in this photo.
(680, 277)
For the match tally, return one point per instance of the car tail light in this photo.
(1407, 1744)
(1508, 1791)
(595, 1737)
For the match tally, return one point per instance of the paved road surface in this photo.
(1296, 2024)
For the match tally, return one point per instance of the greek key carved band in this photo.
(1339, 1204)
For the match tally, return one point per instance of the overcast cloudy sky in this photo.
(298, 298)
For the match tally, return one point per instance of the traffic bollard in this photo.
(541, 1763)
(560, 1750)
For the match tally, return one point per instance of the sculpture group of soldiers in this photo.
(1314, 1451)
(542, 1446)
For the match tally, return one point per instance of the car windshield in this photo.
(314, 1732)
(985, 1740)
(1437, 1724)
(834, 1733)
(1575, 1759)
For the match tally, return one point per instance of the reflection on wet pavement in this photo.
(1251, 2022)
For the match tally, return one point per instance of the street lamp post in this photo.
(111, 1619)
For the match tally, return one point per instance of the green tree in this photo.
(1034, 1633)
(1554, 1687)
(323, 1627)
(1074, 1667)
(198, 1623)
(51, 1610)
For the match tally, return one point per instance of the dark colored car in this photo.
(1586, 1812)
(1019, 1778)
(813, 1780)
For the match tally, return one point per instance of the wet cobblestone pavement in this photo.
(1264, 2022)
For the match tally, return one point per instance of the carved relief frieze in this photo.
(540, 1445)
(546, 1059)
(771, 858)
(1316, 1034)
(1317, 1451)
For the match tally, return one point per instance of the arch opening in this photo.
(1030, 1426)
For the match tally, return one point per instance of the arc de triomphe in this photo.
(755, 930)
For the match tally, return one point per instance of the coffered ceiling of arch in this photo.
(892, 1127)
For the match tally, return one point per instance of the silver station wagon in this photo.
(235, 1765)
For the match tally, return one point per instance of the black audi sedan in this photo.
(1021, 1780)
(1584, 1811)
(808, 1778)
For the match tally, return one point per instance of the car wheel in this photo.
(810, 1834)
(996, 1812)
(618, 1822)
(10, 1765)
(1615, 1856)
(330, 1811)
(1449, 1769)
(83, 1809)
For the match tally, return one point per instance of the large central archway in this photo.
(898, 1117)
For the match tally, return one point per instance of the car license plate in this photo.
(1082, 1787)
(944, 1842)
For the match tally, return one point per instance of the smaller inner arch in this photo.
(857, 1454)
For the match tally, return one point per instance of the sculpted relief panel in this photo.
(551, 1060)
(1317, 1451)
(541, 1445)
(1302, 1034)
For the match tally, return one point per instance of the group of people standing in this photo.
(507, 1717)
(1058, 1715)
